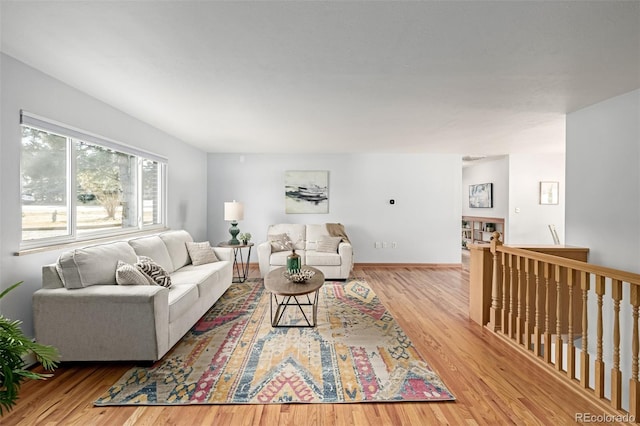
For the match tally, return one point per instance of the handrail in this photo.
(540, 302)
(590, 268)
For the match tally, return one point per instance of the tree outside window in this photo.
(111, 191)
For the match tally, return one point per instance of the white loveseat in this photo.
(88, 317)
(334, 265)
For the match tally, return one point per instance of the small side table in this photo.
(240, 266)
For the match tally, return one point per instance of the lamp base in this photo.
(234, 231)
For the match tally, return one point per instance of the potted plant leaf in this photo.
(13, 346)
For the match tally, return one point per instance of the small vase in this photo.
(293, 261)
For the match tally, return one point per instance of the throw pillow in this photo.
(201, 253)
(127, 274)
(280, 242)
(328, 244)
(156, 272)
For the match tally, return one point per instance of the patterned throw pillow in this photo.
(201, 253)
(328, 244)
(156, 272)
(127, 274)
(280, 242)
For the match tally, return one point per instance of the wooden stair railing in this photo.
(540, 302)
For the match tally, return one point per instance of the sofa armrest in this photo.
(345, 250)
(264, 257)
(104, 322)
(223, 253)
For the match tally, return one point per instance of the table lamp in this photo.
(233, 212)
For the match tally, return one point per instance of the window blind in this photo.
(61, 129)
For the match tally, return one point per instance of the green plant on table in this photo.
(13, 346)
(244, 237)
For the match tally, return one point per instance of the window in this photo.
(77, 186)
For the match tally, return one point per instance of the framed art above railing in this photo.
(481, 195)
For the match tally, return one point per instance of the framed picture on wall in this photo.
(481, 195)
(306, 191)
(549, 192)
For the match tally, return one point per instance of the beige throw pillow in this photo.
(201, 253)
(127, 274)
(280, 242)
(328, 244)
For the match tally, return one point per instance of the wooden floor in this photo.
(493, 383)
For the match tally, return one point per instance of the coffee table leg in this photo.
(315, 308)
(281, 306)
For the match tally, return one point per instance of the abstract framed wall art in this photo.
(481, 195)
(306, 191)
(549, 192)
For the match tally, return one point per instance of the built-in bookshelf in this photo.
(478, 230)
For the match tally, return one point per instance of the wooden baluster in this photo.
(537, 331)
(616, 374)
(512, 290)
(528, 324)
(519, 321)
(634, 383)
(547, 308)
(495, 311)
(559, 343)
(571, 350)
(599, 364)
(505, 292)
(585, 280)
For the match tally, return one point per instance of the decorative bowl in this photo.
(299, 275)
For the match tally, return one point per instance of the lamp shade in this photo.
(233, 211)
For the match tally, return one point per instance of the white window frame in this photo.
(73, 135)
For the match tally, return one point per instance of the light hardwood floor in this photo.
(493, 383)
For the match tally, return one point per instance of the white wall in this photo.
(531, 224)
(424, 221)
(516, 184)
(495, 171)
(603, 206)
(26, 88)
(603, 181)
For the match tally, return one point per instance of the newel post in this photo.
(495, 312)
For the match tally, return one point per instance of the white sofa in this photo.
(334, 265)
(88, 317)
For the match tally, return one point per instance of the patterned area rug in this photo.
(357, 353)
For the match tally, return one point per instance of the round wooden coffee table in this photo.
(291, 294)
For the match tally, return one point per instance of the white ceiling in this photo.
(470, 77)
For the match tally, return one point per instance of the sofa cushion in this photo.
(296, 232)
(317, 258)
(154, 248)
(205, 276)
(201, 253)
(280, 242)
(155, 272)
(93, 265)
(127, 274)
(280, 258)
(328, 244)
(176, 246)
(181, 299)
(315, 232)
